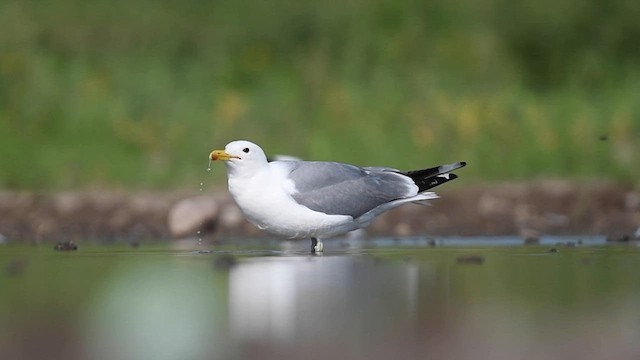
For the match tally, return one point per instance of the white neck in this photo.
(235, 170)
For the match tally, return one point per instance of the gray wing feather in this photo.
(342, 189)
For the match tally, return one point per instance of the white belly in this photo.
(270, 208)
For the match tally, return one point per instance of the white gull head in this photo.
(242, 158)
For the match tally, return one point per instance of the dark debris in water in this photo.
(470, 259)
(224, 262)
(66, 246)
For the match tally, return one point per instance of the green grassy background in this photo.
(135, 94)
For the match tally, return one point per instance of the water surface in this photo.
(408, 297)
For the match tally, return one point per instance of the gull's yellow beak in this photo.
(221, 155)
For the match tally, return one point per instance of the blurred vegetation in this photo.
(136, 93)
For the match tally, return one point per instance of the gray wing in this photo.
(342, 189)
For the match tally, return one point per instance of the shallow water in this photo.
(408, 297)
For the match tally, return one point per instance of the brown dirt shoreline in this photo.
(530, 209)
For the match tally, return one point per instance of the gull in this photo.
(319, 199)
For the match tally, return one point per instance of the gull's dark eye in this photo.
(246, 150)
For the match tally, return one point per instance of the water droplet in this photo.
(199, 233)
(208, 169)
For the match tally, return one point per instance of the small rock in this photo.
(231, 217)
(470, 259)
(632, 201)
(402, 229)
(493, 204)
(188, 216)
(67, 203)
(65, 246)
(553, 219)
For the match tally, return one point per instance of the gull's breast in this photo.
(265, 201)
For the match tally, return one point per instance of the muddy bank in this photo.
(525, 209)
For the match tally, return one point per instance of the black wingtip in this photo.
(431, 182)
(463, 163)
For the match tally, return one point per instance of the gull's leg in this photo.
(316, 245)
